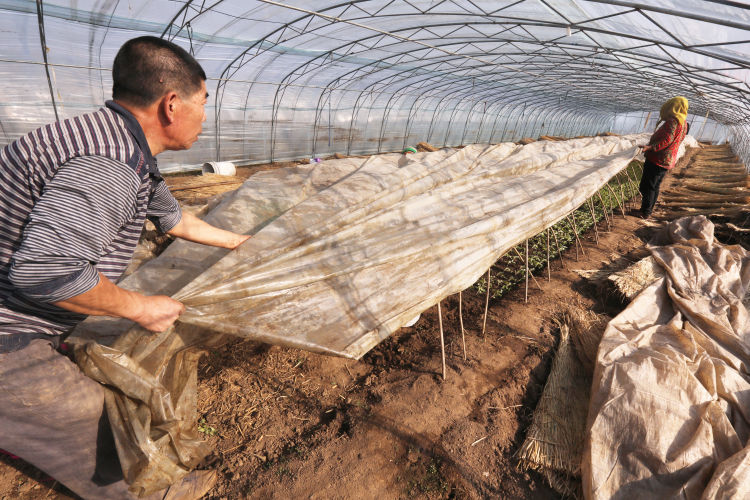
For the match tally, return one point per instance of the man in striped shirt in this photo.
(74, 196)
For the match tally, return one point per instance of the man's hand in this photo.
(155, 313)
(159, 313)
(646, 147)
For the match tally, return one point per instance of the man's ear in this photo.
(168, 106)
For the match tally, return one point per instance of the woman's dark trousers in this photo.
(650, 181)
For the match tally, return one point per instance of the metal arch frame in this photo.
(428, 77)
(443, 60)
(321, 96)
(221, 82)
(634, 6)
(492, 89)
(708, 81)
(595, 43)
(580, 26)
(396, 93)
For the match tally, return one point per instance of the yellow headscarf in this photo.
(676, 107)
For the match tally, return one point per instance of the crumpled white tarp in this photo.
(348, 251)
(670, 408)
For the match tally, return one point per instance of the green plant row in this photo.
(510, 269)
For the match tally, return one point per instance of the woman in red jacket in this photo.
(661, 150)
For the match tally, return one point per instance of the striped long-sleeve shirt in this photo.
(74, 196)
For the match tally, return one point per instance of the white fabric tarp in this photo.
(670, 409)
(347, 252)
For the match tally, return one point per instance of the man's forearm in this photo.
(155, 313)
(192, 228)
(105, 299)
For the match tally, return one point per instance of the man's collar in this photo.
(136, 131)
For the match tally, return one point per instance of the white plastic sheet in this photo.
(350, 252)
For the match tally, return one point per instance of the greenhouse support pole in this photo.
(645, 123)
(583, 125)
(355, 113)
(454, 113)
(494, 124)
(521, 124)
(563, 120)
(571, 121)
(553, 129)
(466, 121)
(574, 119)
(432, 121)
(527, 127)
(518, 120)
(478, 137)
(587, 125)
(540, 122)
(450, 120)
(703, 125)
(43, 42)
(716, 126)
(410, 119)
(511, 132)
(580, 122)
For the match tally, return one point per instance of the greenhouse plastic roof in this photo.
(299, 78)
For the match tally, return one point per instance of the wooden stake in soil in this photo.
(549, 272)
(616, 199)
(593, 221)
(461, 321)
(529, 274)
(575, 233)
(633, 185)
(604, 209)
(442, 339)
(557, 244)
(526, 293)
(622, 192)
(486, 304)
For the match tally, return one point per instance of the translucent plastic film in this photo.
(347, 253)
(295, 79)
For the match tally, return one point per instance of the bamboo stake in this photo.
(575, 231)
(526, 293)
(442, 339)
(201, 186)
(549, 272)
(617, 200)
(557, 244)
(633, 184)
(622, 192)
(604, 209)
(461, 321)
(486, 304)
(593, 221)
(530, 273)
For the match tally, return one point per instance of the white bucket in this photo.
(219, 167)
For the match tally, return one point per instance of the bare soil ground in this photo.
(287, 423)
